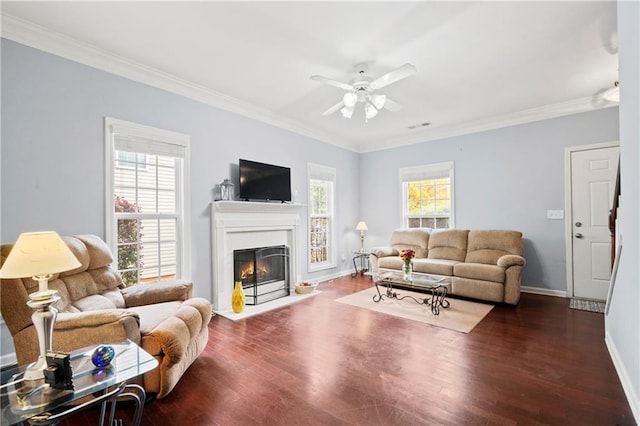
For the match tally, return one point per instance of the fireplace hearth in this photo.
(264, 273)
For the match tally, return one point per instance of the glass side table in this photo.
(360, 262)
(39, 404)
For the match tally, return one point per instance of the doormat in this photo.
(587, 305)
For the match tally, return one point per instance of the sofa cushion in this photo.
(81, 253)
(416, 239)
(488, 246)
(477, 289)
(152, 315)
(479, 271)
(93, 302)
(448, 244)
(99, 252)
(434, 266)
(391, 262)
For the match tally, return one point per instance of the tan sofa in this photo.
(96, 308)
(483, 265)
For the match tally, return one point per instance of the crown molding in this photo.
(47, 40)
(41, 38)
(506, 120)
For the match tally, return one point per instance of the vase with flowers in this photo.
(407, 256)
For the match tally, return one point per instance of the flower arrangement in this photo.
(407, 255)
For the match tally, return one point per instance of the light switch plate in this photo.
(555, 214)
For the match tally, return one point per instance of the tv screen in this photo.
(260, 181)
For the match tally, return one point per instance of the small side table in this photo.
(361, 259)
(43, 405)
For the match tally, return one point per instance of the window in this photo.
(427, 196)
(147, 206)
(131, 160)
(321, 217)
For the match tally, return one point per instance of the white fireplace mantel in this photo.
(240, 225)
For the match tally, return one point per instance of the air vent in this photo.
(417, 126)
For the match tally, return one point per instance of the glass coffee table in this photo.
(38, 404)
(437, 287)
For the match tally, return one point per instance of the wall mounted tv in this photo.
(264, 182)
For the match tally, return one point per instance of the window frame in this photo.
(328, 174)
(426, 172)
(127, 131)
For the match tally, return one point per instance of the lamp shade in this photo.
(37, 254)
(362, 226)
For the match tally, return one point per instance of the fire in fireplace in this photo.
(264, 273)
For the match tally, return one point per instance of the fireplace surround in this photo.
(239, 225)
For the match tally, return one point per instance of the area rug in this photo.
(461, 316)
(587, 305)
(251, 310)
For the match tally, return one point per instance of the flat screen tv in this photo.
(264, 182)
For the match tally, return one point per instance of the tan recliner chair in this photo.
(96, 308)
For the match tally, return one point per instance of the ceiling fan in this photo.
(362, 89)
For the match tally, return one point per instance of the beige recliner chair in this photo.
(96, 308)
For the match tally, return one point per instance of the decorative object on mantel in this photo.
(362, 226)
(237, 298)
(407, 256)
(226, 190)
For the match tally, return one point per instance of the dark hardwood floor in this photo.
(319, 362)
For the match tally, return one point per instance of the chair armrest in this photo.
(384, 251)
(150, 293)
(509, 260)
(75, 330)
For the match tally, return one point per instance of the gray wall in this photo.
(623, 320)
(53, 153)
(504, 179)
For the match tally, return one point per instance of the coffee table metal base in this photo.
(435, 300)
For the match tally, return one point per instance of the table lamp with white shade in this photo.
(40, 255)
(362, 226)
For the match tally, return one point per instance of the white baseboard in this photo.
(331, 276)
(623, 375)
(543, 291)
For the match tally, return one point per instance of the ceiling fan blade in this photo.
(392, 76)
(392, 106)
(330, 82)
(334, 108)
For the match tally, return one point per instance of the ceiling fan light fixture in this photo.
(370, 111)
(378, 101)
(347, 112)
(350, 99)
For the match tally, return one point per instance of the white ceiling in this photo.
(480, 65)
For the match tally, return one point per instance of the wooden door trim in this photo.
(568, 194)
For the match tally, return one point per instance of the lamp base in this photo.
(42, 318)
(35, 371)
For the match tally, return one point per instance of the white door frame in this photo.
(568, 222)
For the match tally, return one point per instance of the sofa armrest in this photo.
(151, 293)
(510, 260)
(384, 252)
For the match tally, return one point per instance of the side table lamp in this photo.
(40, 255)
(362, 226)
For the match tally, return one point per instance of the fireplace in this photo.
(239, 225)
(264, 273)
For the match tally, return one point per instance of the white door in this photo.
(593, 179)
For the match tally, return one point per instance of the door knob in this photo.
(579, 235)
